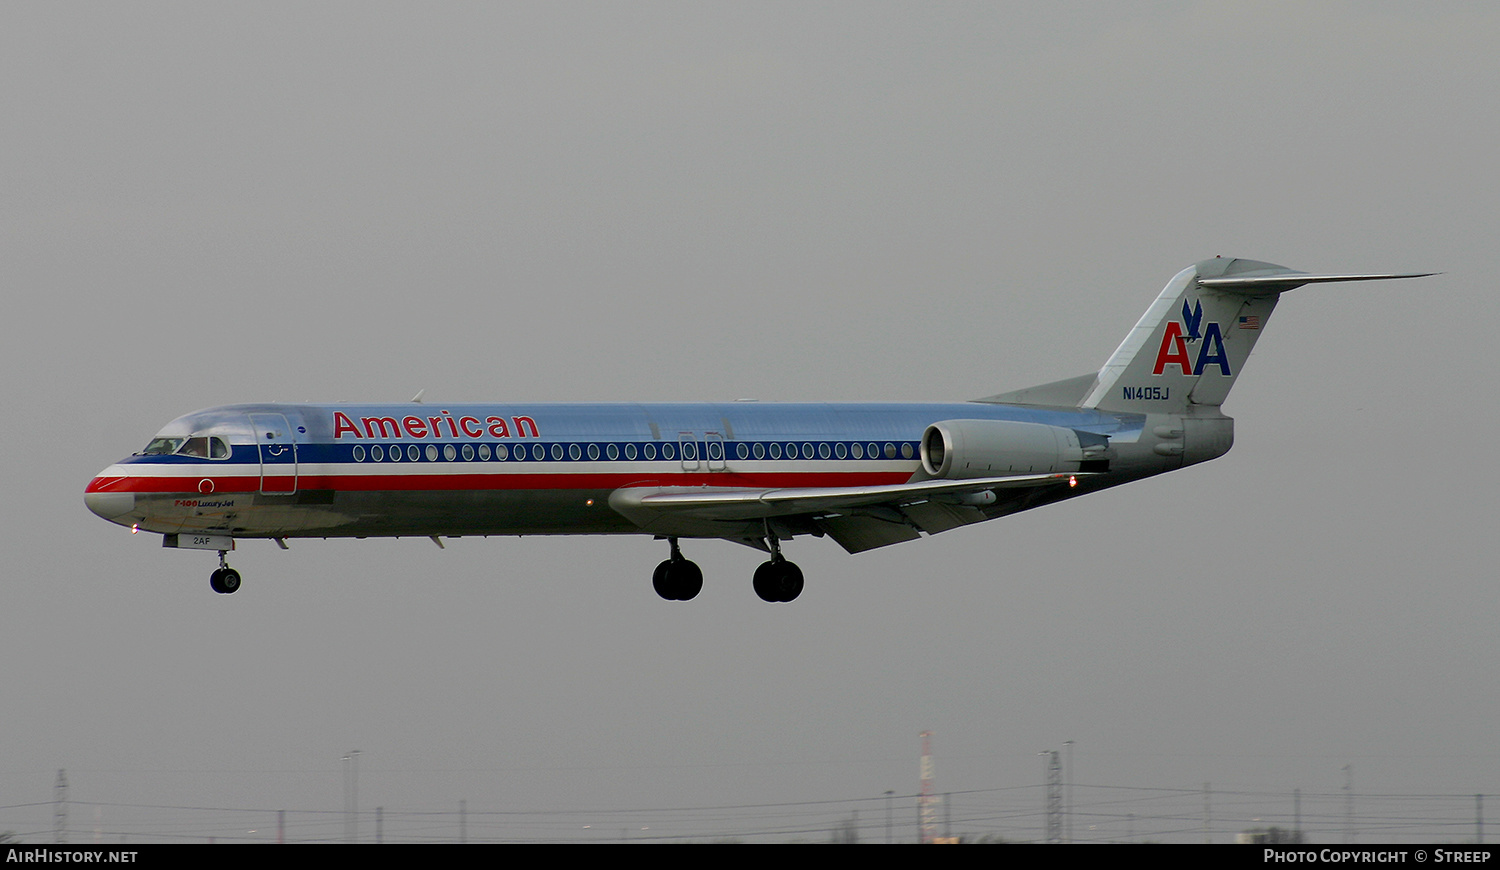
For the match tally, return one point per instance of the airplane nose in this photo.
(106, 504)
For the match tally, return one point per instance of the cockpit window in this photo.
(162, 446)
(195, 447)
(203, 447)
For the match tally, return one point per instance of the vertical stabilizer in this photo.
(1195, 338)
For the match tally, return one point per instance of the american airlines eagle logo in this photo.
(1191, 328)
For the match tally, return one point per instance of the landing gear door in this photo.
(278, 454)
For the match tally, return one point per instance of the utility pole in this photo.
(1054, 797)
(1348, 803)
(1208, 836)
(60, 808)
(351, 797)
(1068, 794)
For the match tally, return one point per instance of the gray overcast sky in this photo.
(214, 203)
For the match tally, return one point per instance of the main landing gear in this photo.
(224, 580)
(678, 579)
(777, 579)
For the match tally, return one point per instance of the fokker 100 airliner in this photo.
(866, 475)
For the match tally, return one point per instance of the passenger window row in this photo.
(630, 450)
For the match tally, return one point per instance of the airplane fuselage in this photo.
(287, 471)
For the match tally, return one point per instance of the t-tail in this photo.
(1177, 365)
(1184, 354)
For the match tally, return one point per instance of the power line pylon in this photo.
(927, 800)
(1054, 797)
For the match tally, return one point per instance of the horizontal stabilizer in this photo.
(1290, 280)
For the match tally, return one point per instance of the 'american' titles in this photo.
(441, 426)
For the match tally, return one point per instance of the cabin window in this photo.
(759, 450)
(807, 450)
(484, 453)
(840, 451)
(412, 452)
(575, 453)
(593, 451)
(449, 453)
(612, 452)
(432, 453)
(629, 451)
(395, 452)
(359, 453)
(857, 450)
(650, 451)
(377, 453)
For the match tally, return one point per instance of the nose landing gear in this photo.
(225, 580)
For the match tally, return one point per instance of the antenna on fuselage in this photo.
(418, 397)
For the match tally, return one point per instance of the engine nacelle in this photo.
(962, 449)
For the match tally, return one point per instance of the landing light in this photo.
(135, 527)
(1072, 480)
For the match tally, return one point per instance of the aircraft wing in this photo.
(858, 517)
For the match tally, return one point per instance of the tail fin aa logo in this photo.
(1174, 342)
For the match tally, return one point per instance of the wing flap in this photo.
(858, 534)
(740, 504)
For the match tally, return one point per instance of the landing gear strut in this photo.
(677, 579)
(777, 579)
(224, 580)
